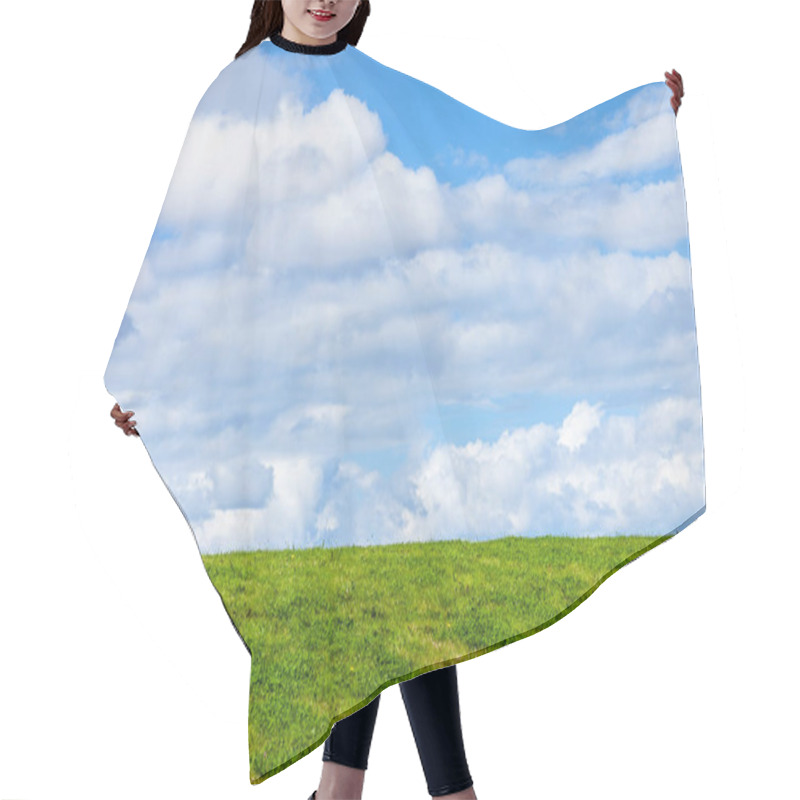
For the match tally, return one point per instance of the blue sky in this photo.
(371, 314)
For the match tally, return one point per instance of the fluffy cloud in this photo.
(592, 475)
(578, 424)
(646, 145)
(306, 306)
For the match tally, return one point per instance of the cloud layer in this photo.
(325, 345)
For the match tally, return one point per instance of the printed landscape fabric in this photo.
(419, 381)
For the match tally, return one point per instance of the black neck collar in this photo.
(311, 49)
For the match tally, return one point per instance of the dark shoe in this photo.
(313, 795)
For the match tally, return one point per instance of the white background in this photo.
(120, 673)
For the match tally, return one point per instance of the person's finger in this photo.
(676, 77)
(123, 417)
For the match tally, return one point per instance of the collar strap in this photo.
(311, 49)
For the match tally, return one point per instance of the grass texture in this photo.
(329, 628)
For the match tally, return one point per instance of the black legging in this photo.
(432, 706)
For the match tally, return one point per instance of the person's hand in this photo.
(124, 421)
(675, 82)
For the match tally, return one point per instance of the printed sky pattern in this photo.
(371, 314)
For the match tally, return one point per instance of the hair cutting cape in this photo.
(418, 380)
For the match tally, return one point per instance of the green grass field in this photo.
(330, 628)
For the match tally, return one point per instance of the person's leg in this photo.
(346, 753)
(433, 710)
